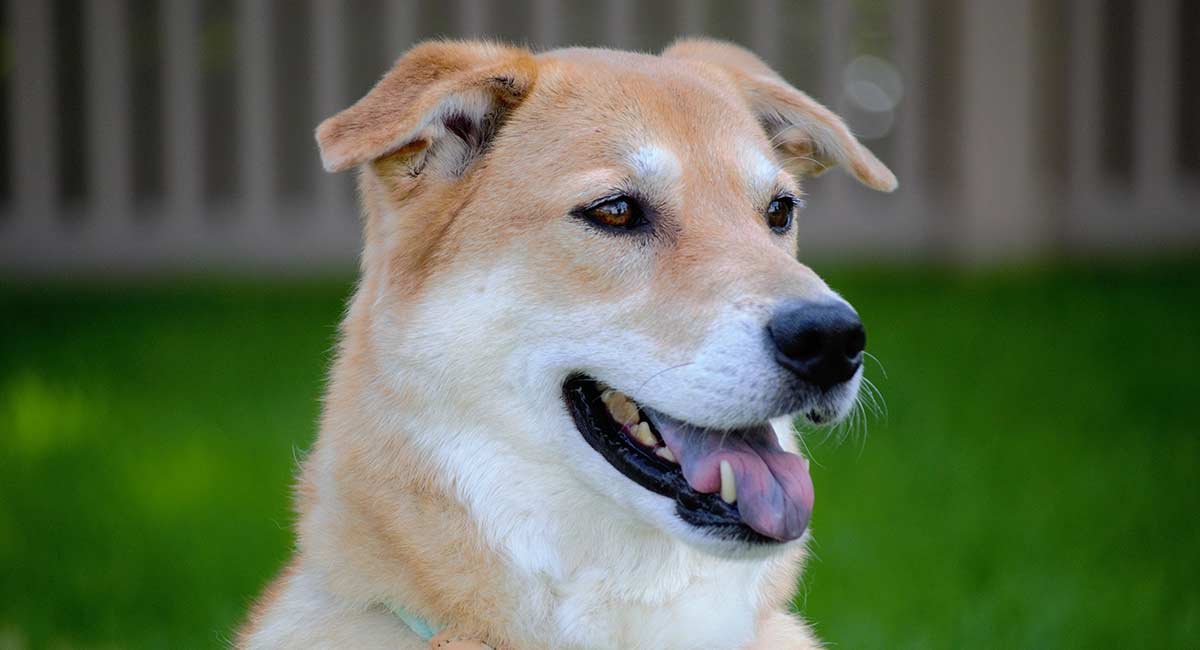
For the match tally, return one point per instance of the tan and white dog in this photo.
(560, 415)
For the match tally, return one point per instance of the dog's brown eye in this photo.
(621, 213)
(779, 213)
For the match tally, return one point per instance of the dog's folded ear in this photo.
(810, 137)
(438, 106)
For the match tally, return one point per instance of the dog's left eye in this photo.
(779, 213)
(621, 213)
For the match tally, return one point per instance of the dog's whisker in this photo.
(866, 399)
(807, 449)
(858, 423)
(854, 425)
(877, 362)
(862, 439)
(789, 159)
(876, 397)
(775, 139)
(661, 373)
(860, 428)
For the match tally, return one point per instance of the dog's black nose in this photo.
(821, 342)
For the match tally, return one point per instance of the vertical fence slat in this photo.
(616, 24)
(999, 218)
(907, 17)
(329, 56)
(400, 20)
(547, 23)
(183, 144)
(835, 48)
(764, 30)
(255, 102)
(906, 20)
(471, 17)
(1154, 110)
(109, 97)
(693, 17)
(1084, 103)
(34, 162)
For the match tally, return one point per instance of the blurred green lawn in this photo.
(1033, 485)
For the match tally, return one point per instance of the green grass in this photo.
(1033, 485)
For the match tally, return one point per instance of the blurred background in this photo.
(173, 264)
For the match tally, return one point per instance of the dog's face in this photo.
(595, 250)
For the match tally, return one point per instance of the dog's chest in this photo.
(597, 609)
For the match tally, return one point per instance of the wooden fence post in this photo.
(1000, 216)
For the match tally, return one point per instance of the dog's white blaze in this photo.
(760, 171)
(657, 166)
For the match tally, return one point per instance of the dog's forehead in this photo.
(660, 118)
(665, 93)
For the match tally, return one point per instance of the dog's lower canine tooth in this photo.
(641, 433)
(607, 395)
(728, 483)
(665, 454)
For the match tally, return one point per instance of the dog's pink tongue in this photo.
(774, 489)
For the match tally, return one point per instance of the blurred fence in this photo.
(176, 134)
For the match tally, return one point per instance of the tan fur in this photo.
(378, 523)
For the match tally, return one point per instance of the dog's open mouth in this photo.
(738, 484)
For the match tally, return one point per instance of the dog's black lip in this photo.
(706, 511)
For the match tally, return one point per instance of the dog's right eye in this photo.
(621, 213)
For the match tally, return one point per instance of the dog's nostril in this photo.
(822, 343)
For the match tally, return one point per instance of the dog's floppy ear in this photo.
(809, 136)
(438, 106)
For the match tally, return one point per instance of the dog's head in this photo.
(592, 253)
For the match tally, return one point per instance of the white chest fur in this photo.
(715, 608)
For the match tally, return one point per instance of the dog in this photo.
(560, 414)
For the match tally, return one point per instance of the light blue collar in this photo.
(418, 625)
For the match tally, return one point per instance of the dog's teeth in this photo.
(728, 483)
(641, 433)
(626, 413)
(665, 454)
(612, 399)
(620, 407)
(650, 434)
(616, 404)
